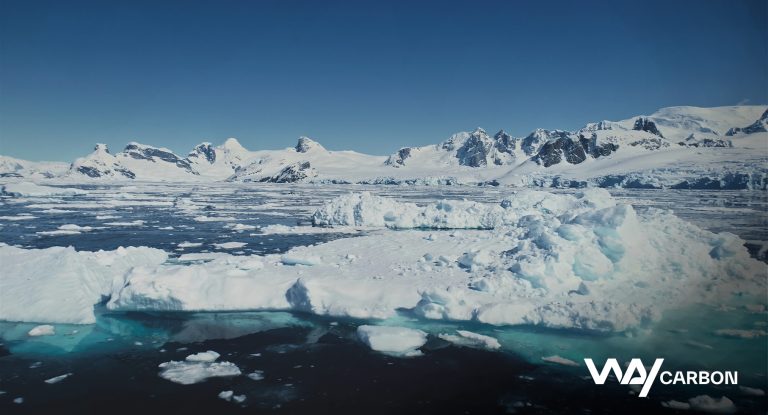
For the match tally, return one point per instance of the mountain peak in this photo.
(306, 144)
(232, 144)
(101, 148)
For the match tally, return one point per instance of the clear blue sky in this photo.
(365, 75)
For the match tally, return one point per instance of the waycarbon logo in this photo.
(637, 374)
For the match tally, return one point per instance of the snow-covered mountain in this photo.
(722, 147)
(13, 167)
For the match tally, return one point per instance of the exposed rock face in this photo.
(293, 173)
(572, 150)
(101, 163)
(398, 159)
(595, 150)
(479, 149)
(535, 140)
(141, 152)
(553, 152)
(204, 150)
(644, 124)
(650, 143)
(475, 151)
(759, 126)
(692, 141)
(504, 145)
(95, 172)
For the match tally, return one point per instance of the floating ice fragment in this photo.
(470, 339)
(188, 373)
(256, 375)
(398, 341)
(741, 334)
(673, 404)
(706, 403)
(746, 390)
(230, 245)
(42, 330)
(559, 360)
(57, 379)
(209, 356)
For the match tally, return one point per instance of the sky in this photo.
(370, 76)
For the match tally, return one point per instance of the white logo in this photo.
(637, 374)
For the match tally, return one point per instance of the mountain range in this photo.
(679, 147)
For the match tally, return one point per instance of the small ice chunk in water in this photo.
(706, 403)
(197, 368)
(559, 360)
(239, 398)
(230, 245)
(398, 341)
(42, 330)
(209, 356)
(470, 339)
(746, 390)
(57, 379)
(256, 375)
(226, 395)
(188, 373)
(673, 404)
(18, 400)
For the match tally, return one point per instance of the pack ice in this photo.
(534, 258)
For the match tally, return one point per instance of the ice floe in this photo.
(230, 245)
(197, 368)
(35, 190)
(398, 341)
(470, 339)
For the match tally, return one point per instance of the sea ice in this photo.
(35, 190)
(398, 341)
